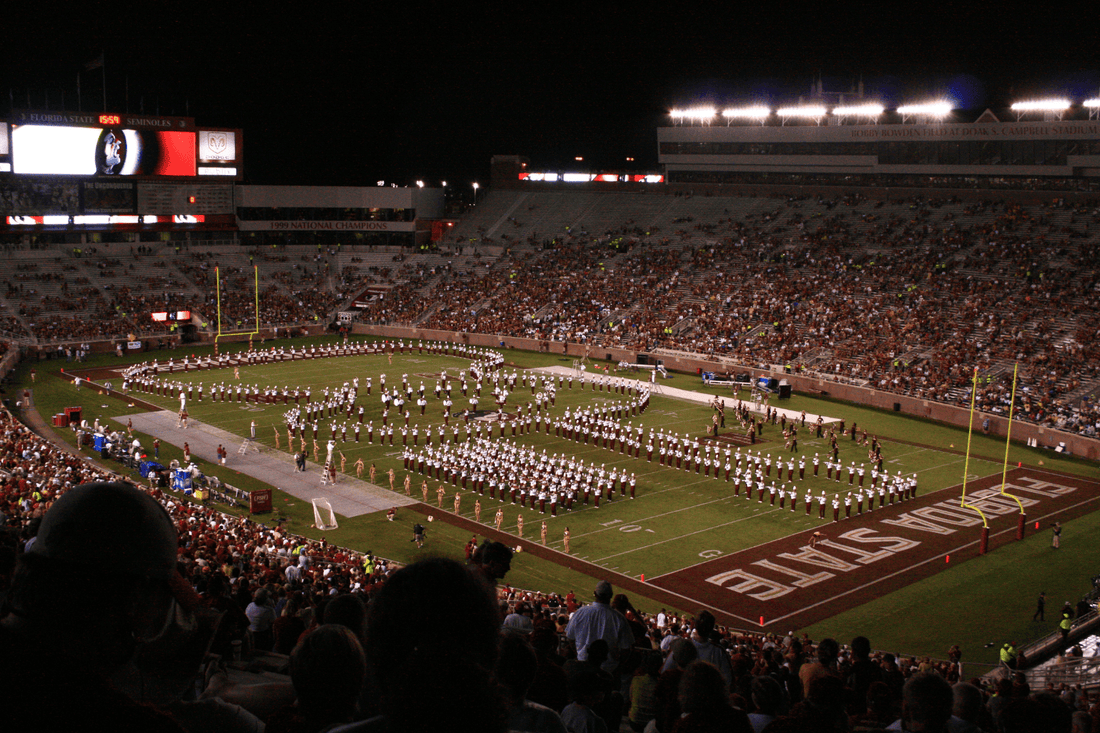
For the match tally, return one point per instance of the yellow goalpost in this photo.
(218, 290)
(1004, 470)
(966, 467)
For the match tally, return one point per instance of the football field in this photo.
(688, 539)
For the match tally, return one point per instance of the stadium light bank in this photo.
(869, 111)
(935, 110)
(801, 113)
(1054, 108)
(702, 115)
(746, 113)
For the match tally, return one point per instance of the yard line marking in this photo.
(689, 534)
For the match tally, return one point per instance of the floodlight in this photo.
(930, 109)
(1094, 103)
(702, 114)
(420, 184)
(1042, 105)
(862, 110)
(746, 113)
(801, 111)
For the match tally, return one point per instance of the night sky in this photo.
(353, 94)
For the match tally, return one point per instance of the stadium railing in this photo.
(1084, 671)
(1049, 646)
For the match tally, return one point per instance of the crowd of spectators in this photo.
(904, 296)
(367, 644)
(907, 297)
(113, 296)
(426, 647)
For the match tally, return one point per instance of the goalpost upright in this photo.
(966, 468)
(1004, 471)
(256, 305)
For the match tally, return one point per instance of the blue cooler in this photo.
(181, 480)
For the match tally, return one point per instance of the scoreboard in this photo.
(111, 145)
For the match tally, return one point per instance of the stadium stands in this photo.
(905, 296)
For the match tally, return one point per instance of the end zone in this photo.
(789, 583)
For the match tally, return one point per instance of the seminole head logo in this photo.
(218, 142)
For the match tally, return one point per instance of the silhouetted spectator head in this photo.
(598, 651)
(880, 701)
(702, 688)
(544, 640)
(348, 611)
(926, 703)
(767, 696)
(516, 666)
(262, 597)
(683, 652)
(622, 604)
(826, 693)
(327, 669)
(651, 663)
(113, 547)
(704, 625)
(494, 559)
(827, 652)
(967, 703)
(603, 592)
(861, 647)
(421, 648)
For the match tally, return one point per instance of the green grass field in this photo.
(678, 518)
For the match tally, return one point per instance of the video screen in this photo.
(101, 151)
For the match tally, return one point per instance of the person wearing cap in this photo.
(1008, 655)
(520, 620)
(599, 621)
(56, 656)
